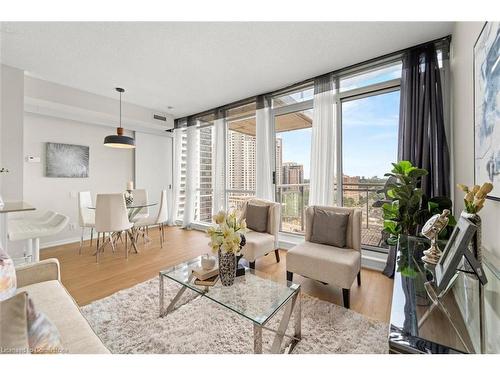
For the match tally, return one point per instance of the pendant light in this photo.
(119, 140)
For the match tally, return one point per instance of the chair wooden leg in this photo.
(346, 297)
(277, 254)
(91, 236)
(81, 241)
(126, 243)
(289, 276)
(97, 249)
(111, 239)
(252, 265)
(359, 278)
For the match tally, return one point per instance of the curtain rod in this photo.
(250, 99)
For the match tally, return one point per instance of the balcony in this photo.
(295, 197)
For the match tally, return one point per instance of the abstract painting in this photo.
(487, 108)
(63, 160)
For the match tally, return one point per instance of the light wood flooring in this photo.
(88, 281)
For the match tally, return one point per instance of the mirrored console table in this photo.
(416, 326)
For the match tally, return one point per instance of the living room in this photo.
(207, 184)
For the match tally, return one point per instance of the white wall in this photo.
(463, 39)
(109, 168)
(11, 132)
(153, 166)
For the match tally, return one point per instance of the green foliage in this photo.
(400, 215)
(409, 207)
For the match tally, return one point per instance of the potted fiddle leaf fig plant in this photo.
(400, 215)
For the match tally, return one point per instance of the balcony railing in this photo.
(295, 197)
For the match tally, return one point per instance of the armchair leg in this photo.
(359, 278)
(289, 276)
(345, 296)
(252, 264)
(277, 254)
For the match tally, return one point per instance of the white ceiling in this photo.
(197, 66)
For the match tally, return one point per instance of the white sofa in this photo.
(42, 282)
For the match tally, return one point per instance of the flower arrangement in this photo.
(475, 196)
(228, 233)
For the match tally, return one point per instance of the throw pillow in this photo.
(13, 325)
(256, 217)
(43, 335)
(329, 228)
(7, 276)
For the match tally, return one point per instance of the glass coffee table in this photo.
(252, 296)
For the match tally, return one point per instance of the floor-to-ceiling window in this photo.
(369, 117)
(292, 124)
(240, 155)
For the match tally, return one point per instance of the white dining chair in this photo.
(140, 197)
(111, 217)
(159, 220)
(86, 216)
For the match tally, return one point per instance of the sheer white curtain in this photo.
(264, 150)
(192, 173)
(176, 176)
(218, 164)
(323, 144)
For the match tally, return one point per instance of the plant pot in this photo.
(227, 268)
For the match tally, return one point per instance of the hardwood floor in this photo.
(88, 281)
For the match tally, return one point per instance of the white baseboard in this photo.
(65, 241)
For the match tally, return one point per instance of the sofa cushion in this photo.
(329, 228)
(329, 264)
(43, 335)
(14, 325)
(257, 245)
(7, 276)
(54, 301)
(256, 217)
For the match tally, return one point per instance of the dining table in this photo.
(133, 210)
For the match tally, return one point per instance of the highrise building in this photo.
(293, 173)
(279, 161)
(205, 183)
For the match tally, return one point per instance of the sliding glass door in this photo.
(292, 155)
(369, 146)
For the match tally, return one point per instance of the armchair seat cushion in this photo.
(329, 264)
(258, 244)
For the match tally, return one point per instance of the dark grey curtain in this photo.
(422, 137)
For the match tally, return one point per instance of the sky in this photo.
(369, 130)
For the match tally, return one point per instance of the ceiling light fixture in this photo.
(119, 140)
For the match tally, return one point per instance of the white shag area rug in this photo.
(128, 322)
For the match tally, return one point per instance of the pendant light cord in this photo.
(120, 109)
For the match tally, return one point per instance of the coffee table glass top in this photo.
(252, 296)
